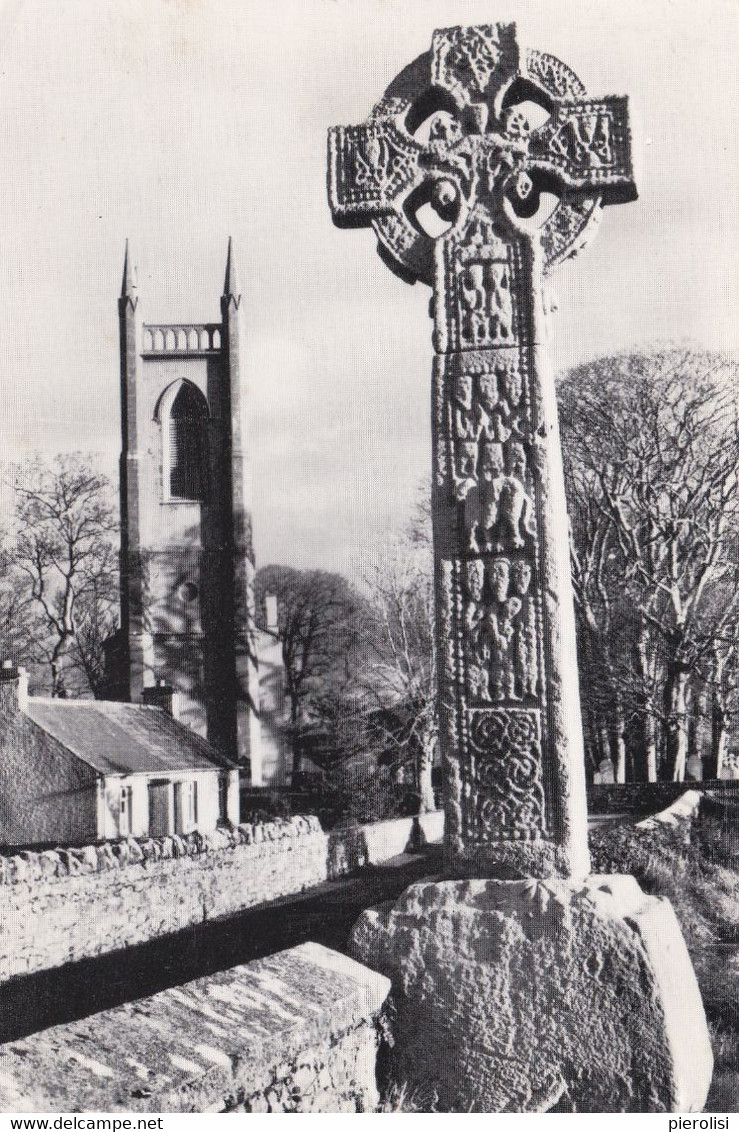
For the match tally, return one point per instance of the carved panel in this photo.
(369, 166)
(480, 305)
(468, 60)
(500, 631)
(568, 229)
(488, 428)
(586, 142)
(508, 794)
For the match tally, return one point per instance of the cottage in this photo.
(76, 771)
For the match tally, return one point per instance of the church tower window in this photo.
(186, 445)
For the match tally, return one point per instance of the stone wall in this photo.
(645, 797)
(61, 906)
(296, 1032)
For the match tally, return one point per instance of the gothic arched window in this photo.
(186, 445)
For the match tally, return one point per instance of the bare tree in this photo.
(651, 451)
(315, 614)
(400, 674)
(64, 529)
(22, 632)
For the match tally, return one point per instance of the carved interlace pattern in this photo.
(507, 773)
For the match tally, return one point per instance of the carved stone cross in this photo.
(458, 180)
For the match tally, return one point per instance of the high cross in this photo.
(479, 169)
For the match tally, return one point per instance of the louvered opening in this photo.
(188, 445)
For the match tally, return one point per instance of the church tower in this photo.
(187, 563)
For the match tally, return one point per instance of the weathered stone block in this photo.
(49, 864)
(292, 1033)
(106, 858)
(514, 996)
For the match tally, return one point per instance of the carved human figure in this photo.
(475, 586)
(526, 641)
(496, 421)
(520, 577)
(498, 571)
(500, 625)
(511, 382)
(466, 425)
(481, 499)
(516, 516)
(444, 128)
(465, 477)
(478, 651)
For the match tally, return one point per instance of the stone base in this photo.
(296, 1032)
(519, 996)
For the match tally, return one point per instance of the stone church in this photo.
(187, 558)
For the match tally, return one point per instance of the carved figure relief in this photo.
(499, 513)
(491, 478)
(486, 306)
(499, 632)
(584, 139)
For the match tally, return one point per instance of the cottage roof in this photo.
(118, 738)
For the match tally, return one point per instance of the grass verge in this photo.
(695, 864)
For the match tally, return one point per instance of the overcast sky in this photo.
(180, 122)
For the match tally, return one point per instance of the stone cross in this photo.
(458, 179)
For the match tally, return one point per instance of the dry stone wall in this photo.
(63, 905)
(637, 797)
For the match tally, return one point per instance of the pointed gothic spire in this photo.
(128, 289)
(231, 286)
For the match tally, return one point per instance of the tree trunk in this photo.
(719, 729)
(719, 735)
(58, 689)
(697, 717)
(620, 744)
(677, 733)
(590, 738)
(426, 800)
(645, 759)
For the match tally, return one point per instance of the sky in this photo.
(179, 123)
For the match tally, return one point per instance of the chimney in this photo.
(270, 611)
(13, 687)
(163, 695)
